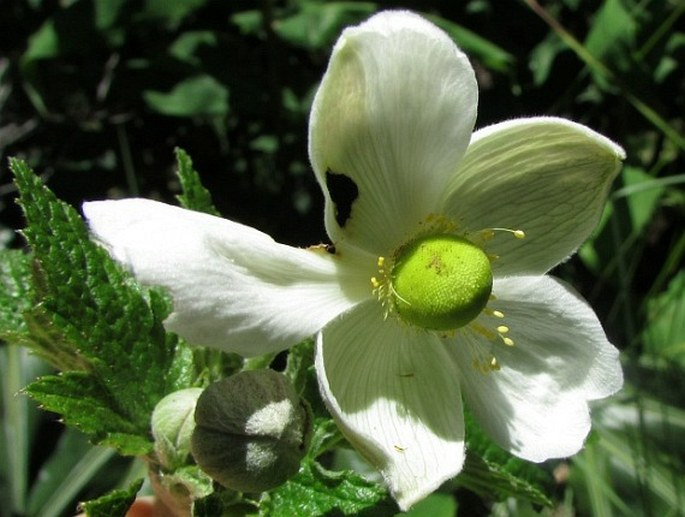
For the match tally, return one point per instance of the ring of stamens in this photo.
(484, 360)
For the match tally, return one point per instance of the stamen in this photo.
(483, 331)
(502, 330)
(486, 365)
(484, 360)
(519, 234)
(395, 293)
(382, 287)
(496, 314)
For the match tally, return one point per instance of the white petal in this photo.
(394, 114)
(546, 176)
(232, 286)
(394, 393)
(536, 406)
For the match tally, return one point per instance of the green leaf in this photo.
(224, 503)
(173, 11)
(67, 457)
(435, 505)
(88, 314)
(664, 334)
(189, 479)
(316, 491)
(194, 196)
(300, 363)
(492, 472)
(42, 44)
(325, 436)
(300, 370)
(642, 193)
(249, 22)
(493, 480)
(611, 39)
(107, 12)
(82, 400)
(186, 46)
(542, 57)
(15, 273)
(114, 504)
(669, 63)
(317, 25)
(630, 211)
(19, 424)
(73, 466)
(201, 95)
(485, 51)
(612, 34)
(607, 469)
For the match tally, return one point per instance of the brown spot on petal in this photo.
(344, 192)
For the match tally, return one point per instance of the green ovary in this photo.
(440, 282)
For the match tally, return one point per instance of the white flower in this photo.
(391, 146)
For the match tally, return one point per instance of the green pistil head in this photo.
(440, 282)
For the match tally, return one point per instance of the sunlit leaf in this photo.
(491, 55)
(172, 11)
(201, 95)
(317, 492)
(435, 505)
(116, 503)
(185, 48)
(317, 25)
(87, 314)
(665, 330)
(194, 196)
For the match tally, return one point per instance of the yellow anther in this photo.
(498, 314)
(519, 234)
(375, 283)
(381, 262)
(508, 341)
(502, 329)
(494, 364)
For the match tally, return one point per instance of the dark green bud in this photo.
(251, 431)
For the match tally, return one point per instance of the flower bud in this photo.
(251, 431)
(172, 426)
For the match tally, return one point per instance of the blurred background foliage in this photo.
(96, 94)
